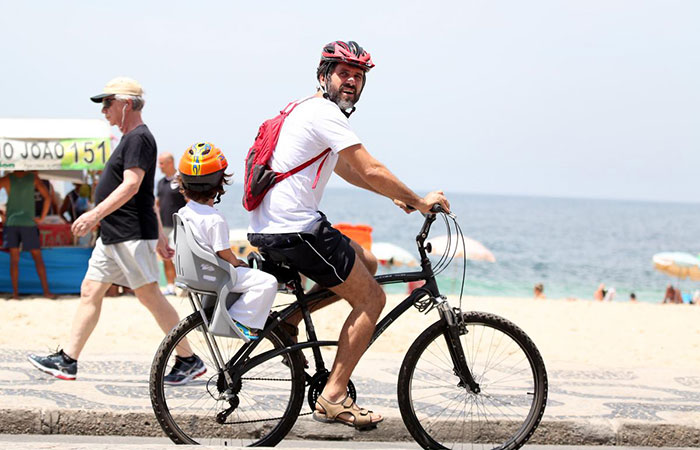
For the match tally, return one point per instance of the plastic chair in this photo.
(207, 277)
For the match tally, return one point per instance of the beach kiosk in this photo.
(58, 149)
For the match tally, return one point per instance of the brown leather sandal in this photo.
(361, 418)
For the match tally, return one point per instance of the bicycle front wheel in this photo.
(269, 395)
(440, 412)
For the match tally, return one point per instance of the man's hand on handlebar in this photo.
(431, 199)
(427, 202)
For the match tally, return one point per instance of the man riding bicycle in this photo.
(288, 224)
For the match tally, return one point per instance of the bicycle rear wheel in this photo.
(440, 412)
(270, 394)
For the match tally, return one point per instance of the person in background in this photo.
(39, 199)
(21, 225)
(599, 293)
(75, 203)
(633, 297)
(539, 292)
(169, 200)
(609, 295)
(672, 295)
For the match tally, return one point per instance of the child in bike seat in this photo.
(201, 177)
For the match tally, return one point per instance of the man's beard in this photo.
(336, 96)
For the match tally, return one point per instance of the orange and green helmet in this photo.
(202, 167)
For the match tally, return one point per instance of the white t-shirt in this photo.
(292, 204)
(208, 226)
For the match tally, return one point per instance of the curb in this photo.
(104, 423)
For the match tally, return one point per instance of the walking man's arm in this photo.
(127, 189)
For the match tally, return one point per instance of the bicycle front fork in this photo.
(455, 327)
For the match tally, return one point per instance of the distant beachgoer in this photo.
(669, 294)
(678, 297)
(169, 200)
(21, 225)
(633, 297)
(131, 234)
(75, 203)
(599, 293)
(609, 295)
(539, 291)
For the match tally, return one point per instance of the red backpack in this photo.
(258, 176)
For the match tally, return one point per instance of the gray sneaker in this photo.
(184, 372)
(55, 364)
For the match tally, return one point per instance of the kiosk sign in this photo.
(54, 154)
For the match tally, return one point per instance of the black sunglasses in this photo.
(106, 103)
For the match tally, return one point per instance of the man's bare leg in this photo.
(164, 313)
(14, 271)
(86, 316)
(41, 271)
(367, 300)
(369, 261)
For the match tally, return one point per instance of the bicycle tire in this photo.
(187, 413)
(509, 369)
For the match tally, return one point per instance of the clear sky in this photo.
(589, 98)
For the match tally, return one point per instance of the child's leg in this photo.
(259, 289)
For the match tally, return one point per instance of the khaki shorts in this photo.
(131, 263)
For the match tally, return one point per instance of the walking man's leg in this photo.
(164, 313)
(86, 316)
(63, 364)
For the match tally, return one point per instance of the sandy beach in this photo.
(635, 335)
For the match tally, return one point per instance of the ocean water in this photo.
(569, 245)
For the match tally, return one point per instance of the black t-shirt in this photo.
(170, 200)
(136, 219)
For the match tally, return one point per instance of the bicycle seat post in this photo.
(308, 323)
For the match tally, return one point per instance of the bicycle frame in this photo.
(306, 302)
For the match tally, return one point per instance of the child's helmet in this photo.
(202, 167)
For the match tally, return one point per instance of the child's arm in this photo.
(228, 255)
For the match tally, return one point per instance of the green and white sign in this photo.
(54, 144)
(60, 154)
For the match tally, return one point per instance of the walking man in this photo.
(21, 225)
(130, 234)
(288, 224)
(168, 202)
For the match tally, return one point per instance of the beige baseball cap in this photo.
(119, 85)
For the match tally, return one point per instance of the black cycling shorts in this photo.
(323, 254)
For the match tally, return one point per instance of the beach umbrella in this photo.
(476, 251)
(678, 264)
(390, 254)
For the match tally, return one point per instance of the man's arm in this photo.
(45, 194)
(379, 179)
(347, 173)
(127, 189)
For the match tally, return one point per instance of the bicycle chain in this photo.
(264, 420)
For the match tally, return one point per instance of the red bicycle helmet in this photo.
(348, 52)
(202, 167)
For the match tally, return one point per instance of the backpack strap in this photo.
(323, 154)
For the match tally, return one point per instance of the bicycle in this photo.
(470, 379)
